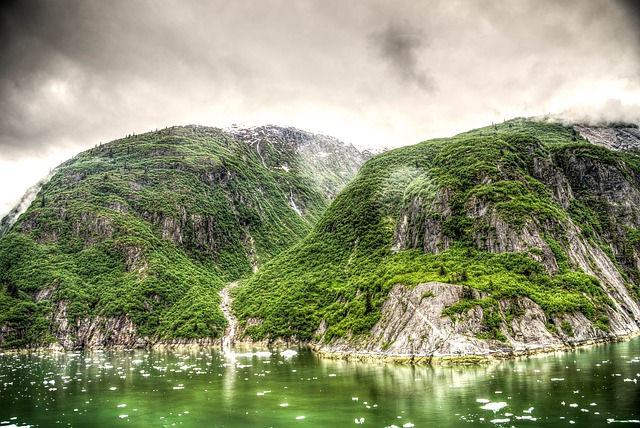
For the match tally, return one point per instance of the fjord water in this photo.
(592, 386)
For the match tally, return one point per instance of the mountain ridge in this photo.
(129, 241)
(502, 240)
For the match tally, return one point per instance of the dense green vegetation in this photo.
(452, 191)
(151, 227)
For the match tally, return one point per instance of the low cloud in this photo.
(611, 111)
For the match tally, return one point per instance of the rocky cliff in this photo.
(502, 240)
(129, 242)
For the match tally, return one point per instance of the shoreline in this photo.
(472, 359)
(353, 356)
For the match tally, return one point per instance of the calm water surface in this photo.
(595, 386)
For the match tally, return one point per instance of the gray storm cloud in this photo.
(371, 72)
(401, 45)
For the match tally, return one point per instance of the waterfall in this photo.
(228, 339)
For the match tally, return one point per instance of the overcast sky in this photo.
(74, 73)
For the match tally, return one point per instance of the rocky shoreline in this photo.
(489, 357)
(354, 355)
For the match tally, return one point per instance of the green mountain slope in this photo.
(129, 242)
(527, 221)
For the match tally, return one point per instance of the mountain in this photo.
(504, 240)
(128, 243)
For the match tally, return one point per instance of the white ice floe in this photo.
(494, 406)
(288, 353)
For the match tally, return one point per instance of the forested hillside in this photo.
(130, 241)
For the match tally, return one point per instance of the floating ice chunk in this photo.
(299, 417)
(332, 375)
(354, 398)
(494, 406)
(122, 405)
(288, 353)
(284, 404)
(573, 405)
(529, 410)
(178, 387)
(482, 400)
(557, 379)
(592, 404)
(408, 425)
(359, 421)
(500, 421)
(113, 388)
(123, 416)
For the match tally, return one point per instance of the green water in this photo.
(594, 386)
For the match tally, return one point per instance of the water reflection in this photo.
(251, 387)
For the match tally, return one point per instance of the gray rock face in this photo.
(412, 326)
(98, 332)
(622, 137)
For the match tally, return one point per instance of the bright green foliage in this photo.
(150, 227)
(343, 270)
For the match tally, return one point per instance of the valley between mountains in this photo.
(506, 240)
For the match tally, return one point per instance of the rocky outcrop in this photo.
(413, 328)
(98, 332)
(615, 137)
